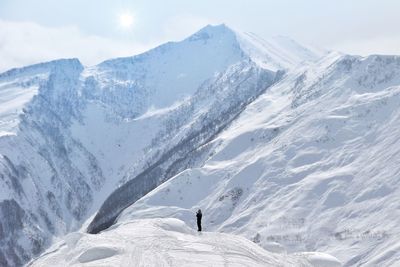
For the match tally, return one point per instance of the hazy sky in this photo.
(32, 31)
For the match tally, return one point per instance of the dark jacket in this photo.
(199, 215)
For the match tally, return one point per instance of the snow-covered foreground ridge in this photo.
(275, 142)
(169, 242)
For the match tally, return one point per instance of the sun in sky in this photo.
(126, 20)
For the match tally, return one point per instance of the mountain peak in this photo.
(211, 31)
(222, 42)
(215, 28)
(275, 53)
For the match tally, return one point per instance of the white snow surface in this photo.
(169, 242)
(14, 95)
(310, 165)
(279, 52)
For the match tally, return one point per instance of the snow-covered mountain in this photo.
(70, 135)
(275, 141)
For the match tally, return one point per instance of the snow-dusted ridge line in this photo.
(276, 53)
(45, 66)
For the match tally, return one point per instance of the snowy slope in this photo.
(17, 88)
(279, 52)
(311, 164)
(70, 135)
(168, 242)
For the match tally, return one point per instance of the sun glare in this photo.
(126, 20)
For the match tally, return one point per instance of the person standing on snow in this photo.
(198, 216)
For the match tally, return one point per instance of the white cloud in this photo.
(24, 43)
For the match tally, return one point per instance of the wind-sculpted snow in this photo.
(169, 242)
(311, 164)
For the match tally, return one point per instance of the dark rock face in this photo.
(13, 217)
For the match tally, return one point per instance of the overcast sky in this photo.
(32, 31)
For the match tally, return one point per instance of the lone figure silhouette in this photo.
(199, 215)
